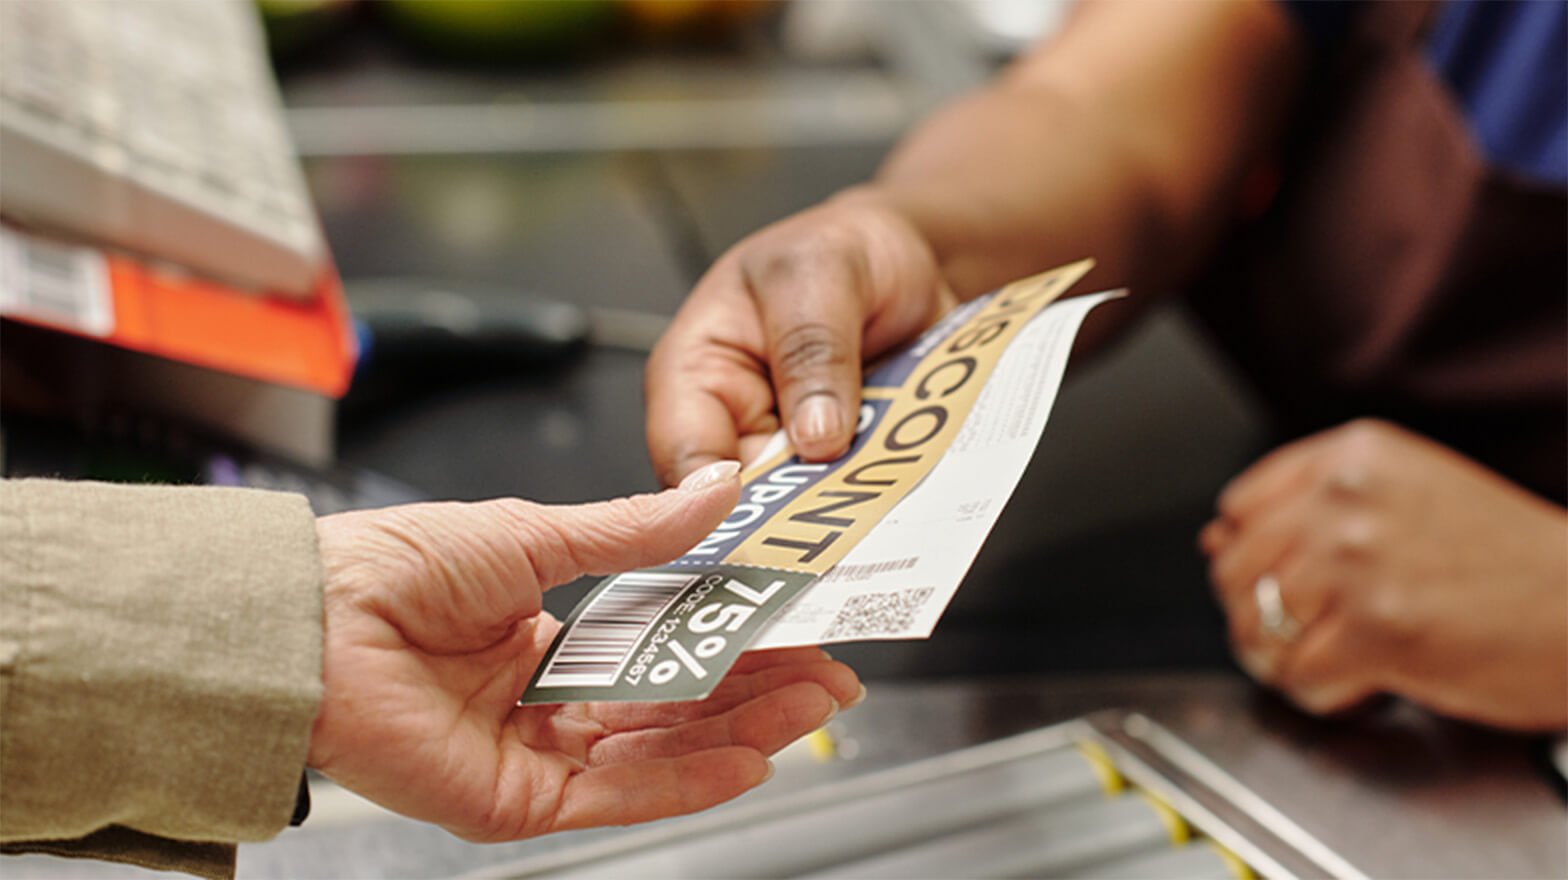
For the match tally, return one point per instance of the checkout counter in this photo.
(1197, 775)
(1076, 713)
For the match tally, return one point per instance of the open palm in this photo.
(434, 626)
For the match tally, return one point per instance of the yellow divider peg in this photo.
(1176, 828)
(1111, 780)
(822, 746)
(1239, 869)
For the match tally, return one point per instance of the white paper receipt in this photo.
(898, 580)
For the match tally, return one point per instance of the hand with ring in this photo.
(1367, 560)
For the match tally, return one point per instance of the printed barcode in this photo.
(55, 283)
(610, 628)
(867, 571)
(877, 614)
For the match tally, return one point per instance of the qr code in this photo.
(877, 614)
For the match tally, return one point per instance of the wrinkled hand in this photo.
(779, 328)
(1410, 569)
(434, 627)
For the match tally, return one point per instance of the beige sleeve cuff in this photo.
(160, 662)
(214, 861)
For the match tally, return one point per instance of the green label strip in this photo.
(660, 634)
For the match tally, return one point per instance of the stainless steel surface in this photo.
(1056, 841)
(1395, 793)
(1030, 805)
(1211, 799)
(842, 823)
(1197, 862)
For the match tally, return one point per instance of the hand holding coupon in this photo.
(834, 551)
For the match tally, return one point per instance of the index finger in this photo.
(705, 384)
(1329, 670)
(1268, 482)
(688, 427)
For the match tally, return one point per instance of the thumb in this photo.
(811, 304)
(478, 568)
(628, 533)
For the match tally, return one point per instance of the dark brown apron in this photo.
(1395, 275)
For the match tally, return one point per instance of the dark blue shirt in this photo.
(1506, 63)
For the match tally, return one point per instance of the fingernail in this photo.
(816, 419)
(709, 474)
(769, 774)
(857, 699)
(1256, 664)
(1317, 702)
